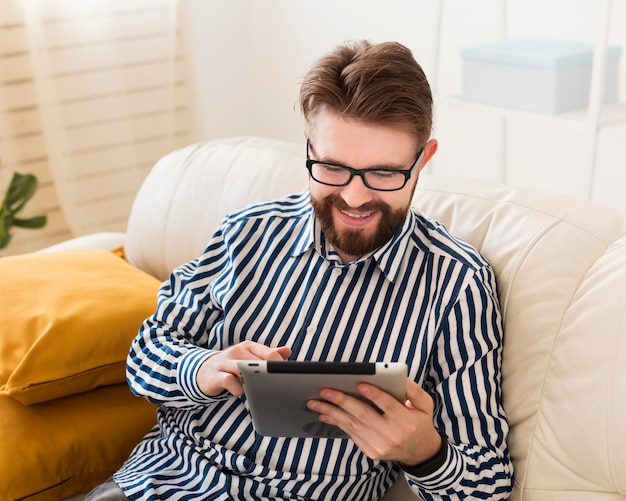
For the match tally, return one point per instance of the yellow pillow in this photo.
(66, 321)
(66, 446)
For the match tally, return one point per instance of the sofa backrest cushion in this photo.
(561, 269)
(187, 192)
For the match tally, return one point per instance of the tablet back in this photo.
(277, 392)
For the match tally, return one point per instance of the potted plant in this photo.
(21, 189)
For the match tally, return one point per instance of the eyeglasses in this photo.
(334, 174)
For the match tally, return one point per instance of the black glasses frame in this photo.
(407, 173)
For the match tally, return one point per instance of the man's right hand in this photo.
(219, 372)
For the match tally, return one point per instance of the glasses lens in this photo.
(330, 174)
(384, 180)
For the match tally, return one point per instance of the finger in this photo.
(418, 399)
(279, 354)
(265, 352)
(284, 352)
(351, 412)
(220, 371)
(232, 384)
(328, 412)
(381, 399)
(212, 373)
(362, 422)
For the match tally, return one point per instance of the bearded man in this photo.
(346, 271)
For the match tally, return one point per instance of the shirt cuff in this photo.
(446, 477)
(188, 367)
(431, 465)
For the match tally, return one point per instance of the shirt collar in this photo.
(388, 258)
(305, 239)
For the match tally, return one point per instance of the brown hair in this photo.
(380, 84)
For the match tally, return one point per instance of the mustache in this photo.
(336, 201)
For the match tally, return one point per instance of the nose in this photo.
(355, 193)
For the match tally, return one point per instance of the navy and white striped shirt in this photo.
(268, 275)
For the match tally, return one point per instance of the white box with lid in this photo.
(542, 76)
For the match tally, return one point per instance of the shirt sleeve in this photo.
(171, 345)
(464, 379)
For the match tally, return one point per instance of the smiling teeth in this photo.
(356, 216)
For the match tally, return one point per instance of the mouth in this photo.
(355, 218)
(357, 215)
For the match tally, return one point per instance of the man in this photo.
(344, 272)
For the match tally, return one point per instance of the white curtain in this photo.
(104, 86)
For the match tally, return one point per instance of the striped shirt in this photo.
(268, 275)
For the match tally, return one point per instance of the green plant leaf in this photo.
(6, 221)
(32, 223)
(4, 240)
(21, 189)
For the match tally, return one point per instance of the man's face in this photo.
(356, 219)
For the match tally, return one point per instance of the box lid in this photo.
(535, 52)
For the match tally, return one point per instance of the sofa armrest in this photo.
(104, 240)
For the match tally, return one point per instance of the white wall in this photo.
(251, 54)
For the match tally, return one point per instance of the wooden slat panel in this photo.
(13, 39)
(117, 98)
(23, 149)
(22, 122)
(12, 13)
(15, 68)
(152, 149)
(126, 79)
(17, 96)
(71, 9)
(39, 168)
(99, 135)
(98, 29)
(5, 177)
(110, 183)
(78, 59)
(110, 209)
(120, 106)
(112, 159)
(123, 156)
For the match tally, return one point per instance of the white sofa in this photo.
(561, 269)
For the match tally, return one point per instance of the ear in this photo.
(430, 148)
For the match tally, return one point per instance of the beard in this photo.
(357, 242)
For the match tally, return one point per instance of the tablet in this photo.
(277, 392)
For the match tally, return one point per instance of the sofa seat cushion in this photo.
(69, 445)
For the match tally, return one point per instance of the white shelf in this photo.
(594, 118)
(610, 114)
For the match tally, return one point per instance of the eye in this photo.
(332, 169)
(384, 175)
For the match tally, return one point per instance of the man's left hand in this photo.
(404, 432)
